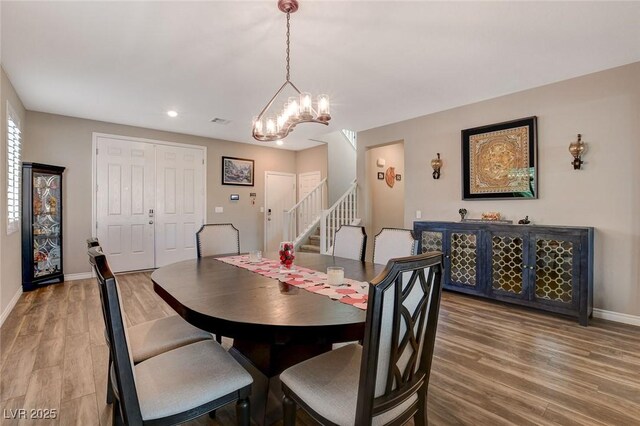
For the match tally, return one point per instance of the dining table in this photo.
(273, 325)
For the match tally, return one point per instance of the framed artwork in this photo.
(380, 175)
(237, 171)
(499, 161)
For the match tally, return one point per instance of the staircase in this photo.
(312, 229)
(312, 245)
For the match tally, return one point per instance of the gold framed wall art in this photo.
(499, 161)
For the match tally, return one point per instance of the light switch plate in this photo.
(418, 214)
(261, 209)
(219, 210)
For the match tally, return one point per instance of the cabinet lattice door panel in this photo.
(464, 252)
(431, 241)
(507, 260)
(544, 267)
(554, 270)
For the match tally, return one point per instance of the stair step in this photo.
(315, 239)
(306, 248)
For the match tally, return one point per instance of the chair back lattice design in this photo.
(218, 238)
(392, 243)
(402, 317)
(118, 340)
(350, 242)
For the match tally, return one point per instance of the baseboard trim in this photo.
(79, 276)
(11, 305)
(617, 317)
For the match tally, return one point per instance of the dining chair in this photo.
(217, 238)
(385, 380)
(393, 242)
(157, 336)
(175, 386)
(350, 242)
(92, 242)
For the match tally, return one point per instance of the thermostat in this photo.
(234, 197)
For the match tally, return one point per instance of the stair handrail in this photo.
(290, 228)
(336, 216)
(322, 182)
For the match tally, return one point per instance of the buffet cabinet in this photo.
(543, 267)
(41, 225)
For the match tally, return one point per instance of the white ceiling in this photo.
(381, 62)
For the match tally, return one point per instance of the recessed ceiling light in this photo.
(172, 114)
(279, 142)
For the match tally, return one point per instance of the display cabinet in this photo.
(544, 267)
(42, 255)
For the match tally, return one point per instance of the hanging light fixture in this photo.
(297, 109)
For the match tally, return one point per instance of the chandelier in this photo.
(297, 109)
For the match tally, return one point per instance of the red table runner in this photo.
(352, 292)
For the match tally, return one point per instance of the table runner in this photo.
(352, 292)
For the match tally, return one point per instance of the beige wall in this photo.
(312, 159)
(341, 169)
(605, 108)
(10, 248)
(387, 204)
(67, 141)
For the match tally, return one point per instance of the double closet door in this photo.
(149, 202)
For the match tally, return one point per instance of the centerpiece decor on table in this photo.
(287, 256)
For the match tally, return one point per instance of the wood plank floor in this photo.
(494, 364)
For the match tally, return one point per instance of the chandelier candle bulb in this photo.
(257, 126)
(305, 105)
(271, 126)
(324, 113)
(335, 275)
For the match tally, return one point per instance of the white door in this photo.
(179, 209)
(280, 195)
(125, 181)
(306, 183)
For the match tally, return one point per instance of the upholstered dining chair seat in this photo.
(187, 377)
(152, 338)
(328, 384)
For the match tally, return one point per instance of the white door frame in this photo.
(266, 209)
(94, 169)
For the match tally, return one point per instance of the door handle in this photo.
(150, 222)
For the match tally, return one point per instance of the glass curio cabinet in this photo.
(41, 225)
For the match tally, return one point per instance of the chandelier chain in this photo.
(288, 35)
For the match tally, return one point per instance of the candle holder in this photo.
(287, 256)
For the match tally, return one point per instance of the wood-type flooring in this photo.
(494, 364)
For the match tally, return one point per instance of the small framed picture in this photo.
(237, 171)
(398, 177)
(380, 175)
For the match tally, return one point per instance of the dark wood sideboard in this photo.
(543, 267)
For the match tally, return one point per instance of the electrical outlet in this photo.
(418, 214)
(219, 210)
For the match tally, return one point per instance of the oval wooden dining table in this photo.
(273, 325)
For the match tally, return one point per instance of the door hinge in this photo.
(97, 151)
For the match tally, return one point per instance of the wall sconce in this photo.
(576, 149)
(436, 163)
